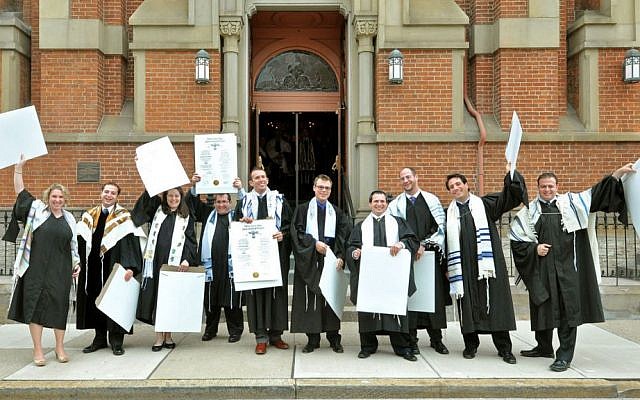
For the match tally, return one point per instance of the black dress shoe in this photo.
(415, 350)
(508, 357)
(469, 353)
(409, 356)
(536, 352)
(208, 336)
(337, 348)
(560, 365)
(94, 347)
(364, 354)
(157, 347)
(439, 347)
(171, 345)
(117, 350)
(309, 348)
(234, 338)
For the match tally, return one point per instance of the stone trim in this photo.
(15, 34)
(83, 34)
(515, 33)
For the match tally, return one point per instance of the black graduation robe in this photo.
(423, 224)
(473, 304)
(380, 323)
(126, 252)
(143, 212)
(221, 291)
(310, 313)
(554, 277)
(268, 308)
(41, 295)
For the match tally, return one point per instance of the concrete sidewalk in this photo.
(607, 364)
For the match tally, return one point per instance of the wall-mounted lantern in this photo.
(396, 60)
(202, 66)
(631, 66)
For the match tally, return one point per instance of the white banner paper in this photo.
(20, 133)
(333, 284)
(159, 166)
(180, 300)
(383, 281)
(216, 162)
(631, 184)
(118, 299)
(424, 299)
(513, 146)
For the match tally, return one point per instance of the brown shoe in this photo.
(282, 345)
(261, 348)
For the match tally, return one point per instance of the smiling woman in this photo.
(43, 270)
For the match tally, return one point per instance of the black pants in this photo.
(233, 316)
(115, 338)
(401, 342)
(332, 336)
(435, 335)
(566, 335)
(501, 340)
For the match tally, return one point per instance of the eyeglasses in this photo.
(327, 188)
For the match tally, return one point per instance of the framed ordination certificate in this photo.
(216, 162)
(255, 255)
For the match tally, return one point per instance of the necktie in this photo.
(263, 212)
(105, 211)
(412, 199)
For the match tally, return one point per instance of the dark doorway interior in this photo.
(295, 147)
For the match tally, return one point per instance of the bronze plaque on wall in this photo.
(88, 171)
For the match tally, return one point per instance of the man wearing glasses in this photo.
(318, 226)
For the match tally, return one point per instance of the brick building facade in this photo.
(108, 75)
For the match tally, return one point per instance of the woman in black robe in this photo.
(169, 208)
(47, 262)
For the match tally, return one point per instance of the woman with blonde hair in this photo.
(46, 261)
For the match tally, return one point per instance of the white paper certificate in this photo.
(333, 284)
(180, 300)
(424, 298)
(216, 162)
(118, 299)
(631, 184)
(383, 281)
(255, 254)
(20, 133)
(513, 146)
(159, 166)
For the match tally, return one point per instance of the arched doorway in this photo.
(296, 97)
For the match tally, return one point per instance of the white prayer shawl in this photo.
(398, 208)
(177, 242)
(390, 230)
(486, 267)
(274, 205)
(574, 212)
(118, 225)
(207, 239)
(329, 222)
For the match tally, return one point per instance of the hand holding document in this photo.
(216, 162)
(159, 166)
(513, 146)
(255, 255)
(333, 284)
(118, 299)
(20, 134)
(383, 282)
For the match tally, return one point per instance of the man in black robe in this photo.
(317, 226)
(106, 236)
(374, 230)
(550, 240)
(424, 214)
(213, 253)
(477, 269)
(267, 308)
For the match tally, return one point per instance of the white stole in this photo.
(329, 222)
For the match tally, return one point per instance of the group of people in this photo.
(552, 240)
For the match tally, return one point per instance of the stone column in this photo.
(230, 28)
(366, 29)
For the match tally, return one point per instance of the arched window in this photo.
(296, 71)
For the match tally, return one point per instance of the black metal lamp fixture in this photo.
(396, 60)
(202, 66)
(631, 66)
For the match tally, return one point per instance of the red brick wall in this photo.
(72, 90)
(115, 12)
(481, 82)
(510, 9)
(422, 103)
(573, 82)
(87, 9)
(481, 12)
(132, 6)
(587, 4)
(562, 60)
(33, 12)
(619, 102)
(114, 84)
(116, 164)
(174, 102)
(526, 81)
(578, 165)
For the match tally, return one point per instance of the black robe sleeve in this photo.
(129, 254)
(197, 207)
(304, 250)
(145, 208)
(513, 193)
(411, 243)
(608, 196)
(237, 213)
(20, 213)
(526, 260)
(354, 242)
(190, 249)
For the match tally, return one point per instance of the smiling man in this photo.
(106, 235)
(552, 241)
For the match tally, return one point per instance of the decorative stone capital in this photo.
(230, 26)
(366, 27)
